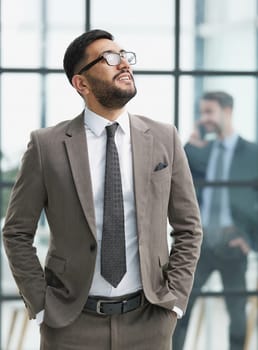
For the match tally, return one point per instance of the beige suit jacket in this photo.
(55, 177)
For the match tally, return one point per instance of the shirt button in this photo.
(92, 247)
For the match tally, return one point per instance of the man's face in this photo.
(111, 86)
(212, 116)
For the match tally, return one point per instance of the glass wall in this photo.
(184, 50)
(218, 108)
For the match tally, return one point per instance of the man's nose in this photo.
(124, 63)
(204, 117)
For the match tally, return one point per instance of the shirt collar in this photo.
(97, 123)
(230, 141)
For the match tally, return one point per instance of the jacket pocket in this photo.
(163, 264)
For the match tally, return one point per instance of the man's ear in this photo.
(80, 84)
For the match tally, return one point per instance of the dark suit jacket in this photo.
(243, 200)
(55, 176)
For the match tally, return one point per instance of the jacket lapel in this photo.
(142, 143)
(237, 160)
(76, 146)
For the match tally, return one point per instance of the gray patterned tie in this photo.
(215, 206)
(113, 256)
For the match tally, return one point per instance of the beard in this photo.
(110, 96)
(215, 128)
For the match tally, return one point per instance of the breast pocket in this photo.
(159, 174)
(160, 180)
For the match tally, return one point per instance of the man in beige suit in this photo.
(80, 299)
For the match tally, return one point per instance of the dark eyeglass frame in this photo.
(103, 56)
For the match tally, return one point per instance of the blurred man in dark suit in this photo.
(229, 214)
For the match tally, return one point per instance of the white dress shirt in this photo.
(96, 142)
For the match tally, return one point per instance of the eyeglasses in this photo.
(112, 59)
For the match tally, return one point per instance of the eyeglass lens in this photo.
(113, 58)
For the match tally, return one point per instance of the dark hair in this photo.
(223, 98)
(76, 51)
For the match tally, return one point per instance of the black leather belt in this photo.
(112, 306)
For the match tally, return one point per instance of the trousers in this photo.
(147, 328)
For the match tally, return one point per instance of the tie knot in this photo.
(111, 130)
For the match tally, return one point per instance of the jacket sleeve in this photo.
(27, 200)
(184, 217)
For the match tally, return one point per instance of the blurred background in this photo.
(184, 48)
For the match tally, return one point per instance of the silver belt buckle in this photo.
(99, 302)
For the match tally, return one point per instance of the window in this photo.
(184, 49)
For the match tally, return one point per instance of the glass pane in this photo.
(209, 326)
(62, 29)
(218, 34)
(145, 27)
(20, 115)
(65, 104)
(243, 91)
(219, 128)
(20, 33)
(14, 312)
(154, 99)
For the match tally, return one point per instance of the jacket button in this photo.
(92, 247)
